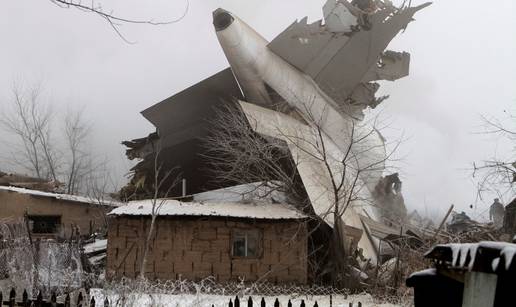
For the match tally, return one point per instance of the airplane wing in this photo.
(316, 179)
(332, 53)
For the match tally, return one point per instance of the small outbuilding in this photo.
(196, 240)
(54, 215)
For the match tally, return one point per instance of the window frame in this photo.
(56, 226)
(257, 232)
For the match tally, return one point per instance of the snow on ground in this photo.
(205, 300)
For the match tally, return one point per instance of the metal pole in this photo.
(443, 221)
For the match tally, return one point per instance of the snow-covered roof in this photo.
(67, 197)
(171, 207)
(498, 256)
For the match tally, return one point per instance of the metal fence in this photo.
(81, 300)
(38, 301)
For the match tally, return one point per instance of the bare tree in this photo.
(161, 186)
(498, 174)
(238, 154)
(115, 21)
(98, 184)
(29, 119)
(79, 163)
(64, 157)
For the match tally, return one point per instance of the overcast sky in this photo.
(462, 66)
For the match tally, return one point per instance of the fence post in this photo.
(39, 299)
(1, 299)
(276, 303)
(12, 298)
(237, 301)
(230, 303)
(331, 300)
(316, 305)
(302, 303)
(25, 298)
(359, 304)
(67, 300)
(350, 304)
(289, 304)
(262, 303)
(106, 302)
(250, 302)
(53, 299)
(79, 299)
(92, 302)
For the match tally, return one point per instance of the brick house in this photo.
(195, 240)
(53, 215)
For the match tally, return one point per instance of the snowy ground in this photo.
(192, 300)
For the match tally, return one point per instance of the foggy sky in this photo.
(462, 66)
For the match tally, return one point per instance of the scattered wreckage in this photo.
(313, 79)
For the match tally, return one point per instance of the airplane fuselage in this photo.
(254, 65)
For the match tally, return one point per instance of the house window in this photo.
(44, 224)
(246, 243)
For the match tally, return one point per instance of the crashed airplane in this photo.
(322, 75)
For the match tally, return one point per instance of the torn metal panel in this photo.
(391, 66)
(338, 62)
(342, 72)
(301, 43)
(140, 148)
(364, 95)
(338, 18)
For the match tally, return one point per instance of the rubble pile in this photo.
(408, 252)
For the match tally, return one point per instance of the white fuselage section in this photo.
(254, 65)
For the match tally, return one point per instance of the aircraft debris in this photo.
(323, 75)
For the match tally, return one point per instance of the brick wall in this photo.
(14, 205)
(193, 248)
